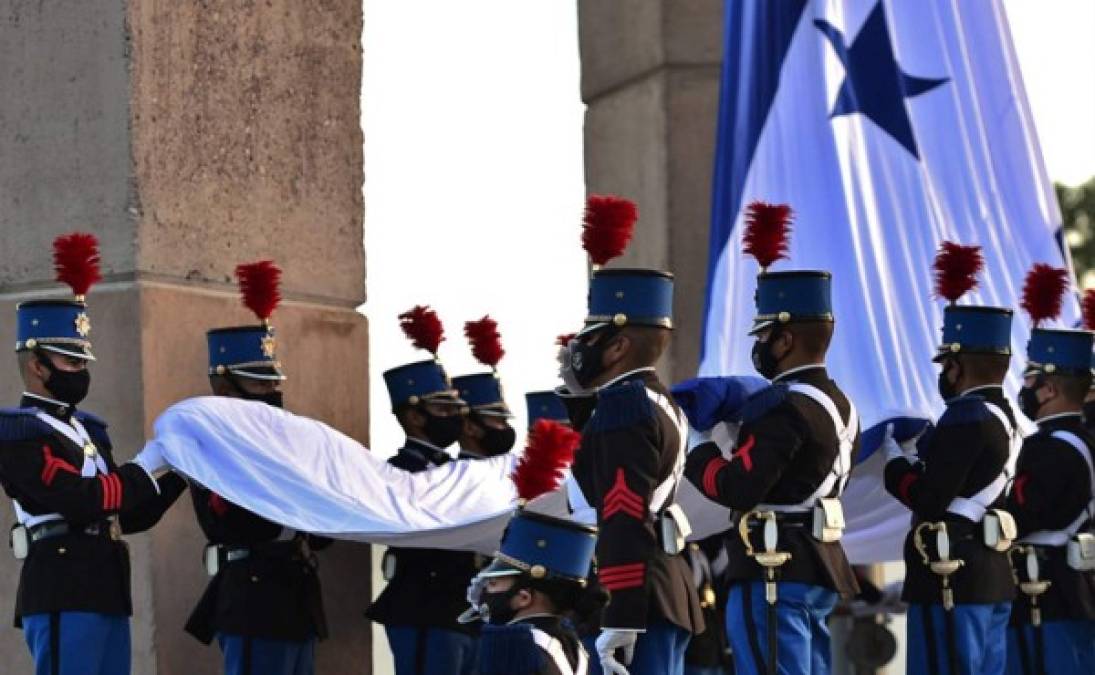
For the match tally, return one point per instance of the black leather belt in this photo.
(59, 528)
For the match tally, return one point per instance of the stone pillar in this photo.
(650, 78)
(190, 137)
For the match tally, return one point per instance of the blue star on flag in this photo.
(874, 84)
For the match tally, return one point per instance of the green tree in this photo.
(1078, 216)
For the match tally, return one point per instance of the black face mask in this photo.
(587, 360)
(65, 386)
(271, 398)
(764, 361)
(496, 606)
(443, 431)
(497, 441)
(1028, 399)
(947, 389)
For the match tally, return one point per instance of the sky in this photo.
(473, 171)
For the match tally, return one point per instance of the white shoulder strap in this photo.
(1061, 537)
(554, 649)
(845, 433)
(974, 508)
(664, 492)
(93, 462)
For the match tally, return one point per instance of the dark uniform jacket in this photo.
(512, 650)
(787, 446)
(40, 467)
(962, 455)
(272, 591)
(1052, 488)
(629, 447)
(429, 587)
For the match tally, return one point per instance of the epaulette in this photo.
(621, 406)
(21, 424)
(509, 650)
(764, 400)
(96, 428)
(968, 409)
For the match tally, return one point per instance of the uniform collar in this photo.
(52, 407)
(810, 371)
(984, 389)
(1059, 420)
(424, 451)
(644, 373)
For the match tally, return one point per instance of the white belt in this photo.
(974, 507)
(842, 465)
(1061, 537)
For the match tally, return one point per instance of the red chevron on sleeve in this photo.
(744, 452)
(1019, 489)
(621, 498)
(53, 465)
(112, 491)
(622, 577)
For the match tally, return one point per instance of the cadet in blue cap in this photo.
(632, 454)
(1053, 618)
(531, 596)
(72, 500)
(487, 431)
(426, 588)
(957, 581)
(792, 458)
(263, 603)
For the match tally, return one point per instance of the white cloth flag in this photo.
(888, 127)
(307, 476)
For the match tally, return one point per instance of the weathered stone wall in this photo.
(190, 136)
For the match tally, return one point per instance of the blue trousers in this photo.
(980, 639)
(258, 656)
(802, 634)
(83, 643)
(432, 651)
(1068, 647)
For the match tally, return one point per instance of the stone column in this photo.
(650, 78)
(190, 136)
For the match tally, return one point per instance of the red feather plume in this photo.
(550, 451)
(956, 269)
(1087, 307)
(423, 327)
(486, 343)
(1043, 292)
(260, 287)
(76, 259)
(767, 227)
(607, 227)
(564, 339)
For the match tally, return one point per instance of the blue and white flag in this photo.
(888, 127)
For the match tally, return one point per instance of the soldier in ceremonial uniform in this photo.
(791, 460)
(263, 603)
(426, 589)
(487, 431)
(958, 582)
(630, 460)
(1053, 618)
(529, 595)
(72, 499)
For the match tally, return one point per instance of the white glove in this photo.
(890, 447)
(151, 459)
(608, 642)
(566, 371)
(473, 595)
